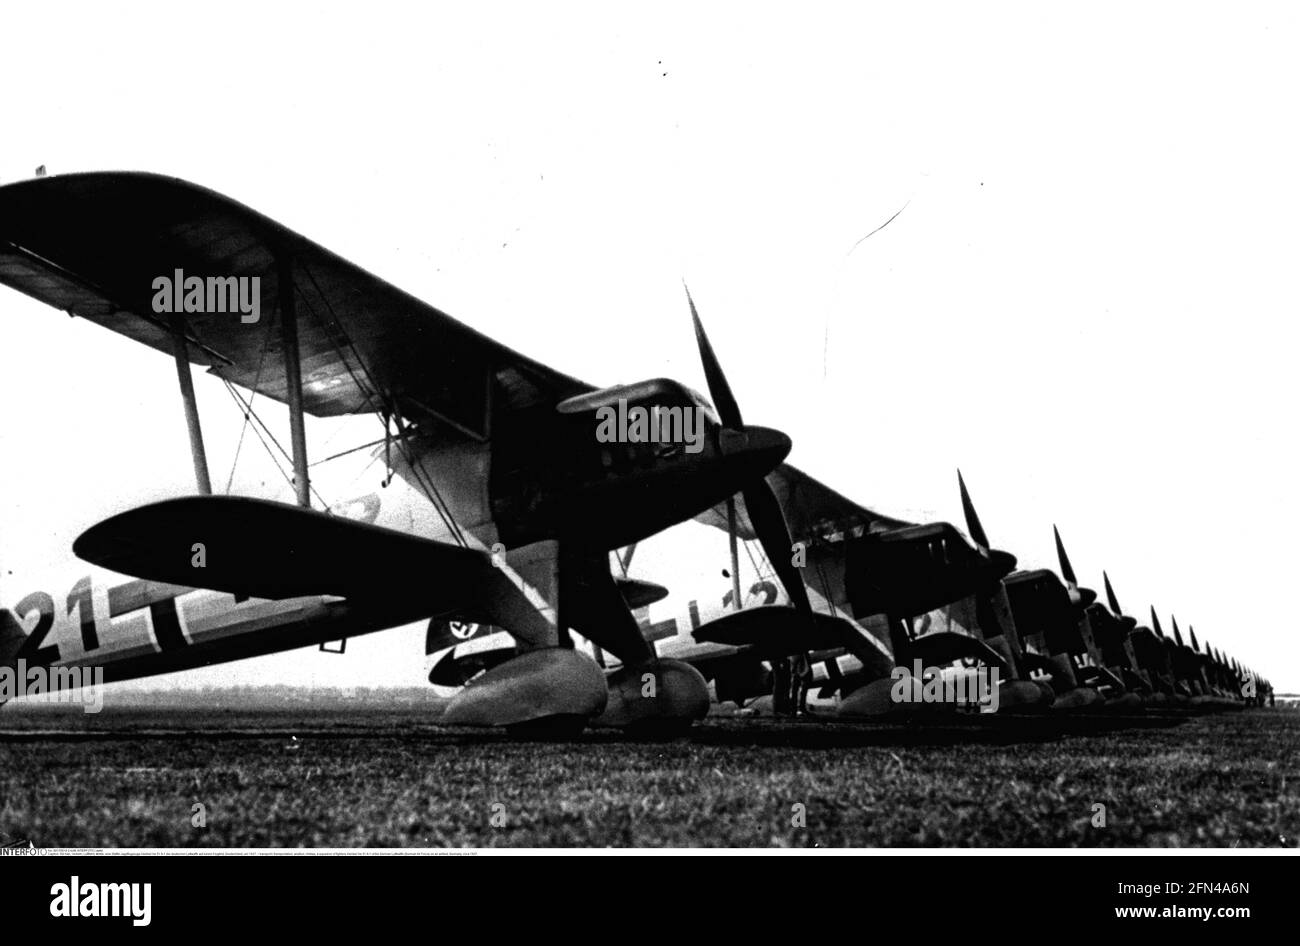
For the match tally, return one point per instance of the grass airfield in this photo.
(335, 775)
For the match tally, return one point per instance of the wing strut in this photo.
(179, 347)
(737, 604)
(293, 381)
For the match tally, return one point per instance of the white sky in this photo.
(1088, 304)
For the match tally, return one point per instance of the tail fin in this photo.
(446, 666)
(443, 634)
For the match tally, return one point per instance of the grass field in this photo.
(349, 776)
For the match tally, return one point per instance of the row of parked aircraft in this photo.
(533, 617)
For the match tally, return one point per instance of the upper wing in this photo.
(92, 245)
(812, 509)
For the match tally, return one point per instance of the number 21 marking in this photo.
(81, 597)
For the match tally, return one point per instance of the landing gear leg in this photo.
(782, 705)
(799, 675)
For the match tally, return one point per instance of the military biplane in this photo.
(530, 502)
(500, 445)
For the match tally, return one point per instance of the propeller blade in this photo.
(719, 390)
(1155, 622)
(1110, 596)
(1191, 631)
(625, 558)
(1177, 636)
(1066, 571)
(973, 525)
(760, 502)
(774, 536)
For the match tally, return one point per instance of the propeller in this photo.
(1001, 563)
(1191, 632)
(1155, 623)
(1128, 623)
(625, 558)
(1067, 572)
(973, 525)
(760, 502)
(1110, 596)
(1178, 638)
(1079, 597)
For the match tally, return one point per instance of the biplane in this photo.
(530, 502)
(878, 587)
